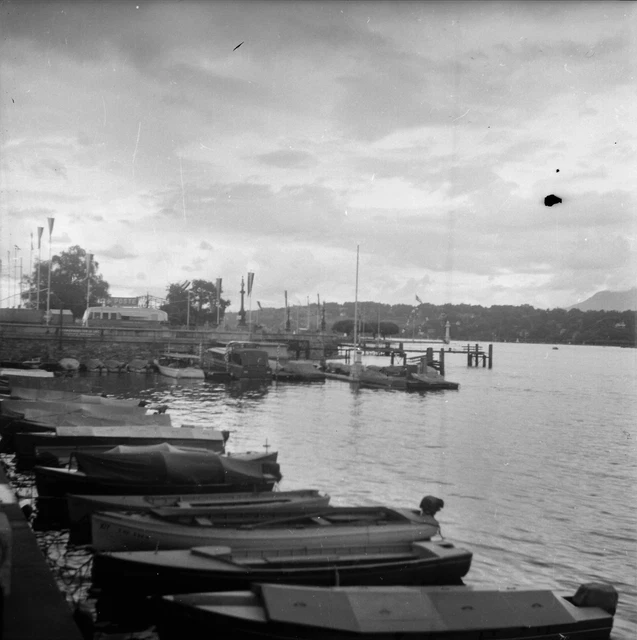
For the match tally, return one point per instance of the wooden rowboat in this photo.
(236, 508)
(329, 527)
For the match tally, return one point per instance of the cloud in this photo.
(287, 158)
(117, 252)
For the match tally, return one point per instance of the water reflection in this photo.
(535, 459)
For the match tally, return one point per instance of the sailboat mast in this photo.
(356, 300)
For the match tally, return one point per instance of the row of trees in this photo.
(74, 276)
(498, 323)
(76, 283)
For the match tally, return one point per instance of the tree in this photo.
(193, 303)
(69, 285)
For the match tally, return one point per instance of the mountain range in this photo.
(609, 301)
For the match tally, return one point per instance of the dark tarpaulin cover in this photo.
(166, 464)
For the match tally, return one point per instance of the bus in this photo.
(123, 317)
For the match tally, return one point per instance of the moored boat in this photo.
(153, 470)
(328, 527)
(224, 569)
(238, 361)
(229, 507)
(289, 612)
(297, 371)
(180, 365)
(34, 447)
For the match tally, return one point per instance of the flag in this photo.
(51, 222)
(418, 300)
(89, 257)
(16, 247)
(286, 299)
(250, 281)
(40, 230)
(259, 305)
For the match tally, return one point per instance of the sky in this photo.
(177, 140)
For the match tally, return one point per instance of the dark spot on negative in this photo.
(549, 201)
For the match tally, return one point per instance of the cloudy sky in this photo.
(427, 133)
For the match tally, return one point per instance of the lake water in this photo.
(536, 458)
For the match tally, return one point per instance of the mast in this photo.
(356, 301)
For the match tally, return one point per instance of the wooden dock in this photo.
(475, 353)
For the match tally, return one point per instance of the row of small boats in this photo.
(201, 542)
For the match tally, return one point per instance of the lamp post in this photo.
(48, 291)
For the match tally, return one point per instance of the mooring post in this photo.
(442, 363)
(477, 353)
(430, 357)
(392, 359)
(490, 356)
(468, 355)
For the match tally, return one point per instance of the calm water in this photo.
(536, 459)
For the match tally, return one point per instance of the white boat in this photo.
(180, 365)
(26, 373)
(328, 527)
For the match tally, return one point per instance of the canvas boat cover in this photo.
(57, 395)
(166, 464)
(58, 414)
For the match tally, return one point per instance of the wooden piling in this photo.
(442, 363)
(490, 356)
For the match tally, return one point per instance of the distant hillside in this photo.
(609, 301)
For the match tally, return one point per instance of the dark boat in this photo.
(289, 612)
(153, 470)
(54, 448)
(237, 361)
(36, 416)
(223, 569)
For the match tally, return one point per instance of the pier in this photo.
(475, 353)
(32, 606)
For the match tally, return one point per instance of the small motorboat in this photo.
(56, 446)
(419, 613)
(230, 507)
(237, 361)
(328, 527)
(223, 569)
(156, 470)
(180, 365)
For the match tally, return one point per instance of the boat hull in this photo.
(138, 532)
(423, 613)
(192, 373)
(215, 569)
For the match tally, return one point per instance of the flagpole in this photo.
(31, 270)
(356, 301)
(48, 291)
(20, 299)
(89, 257)
(358, 364)
(40, 230)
